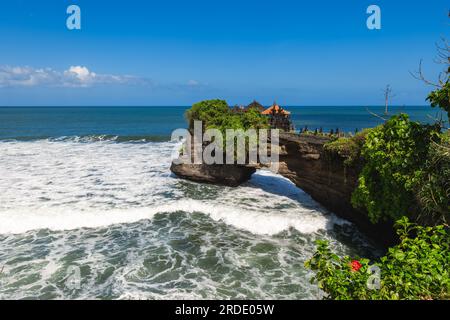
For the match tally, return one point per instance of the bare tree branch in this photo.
(376, 115)
(419, 76)
(388, 95)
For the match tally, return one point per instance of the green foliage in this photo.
(441, 98)
(217, 114)
(252, 118)
(210, 112)
(417, 268)
(348, 148)
(434, 192)
(394, 156)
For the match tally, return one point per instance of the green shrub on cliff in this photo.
(348, 148)
(252, 118)
(417, 268)
(217, 114)
(211, 112)
(441, 97)
(395, 157)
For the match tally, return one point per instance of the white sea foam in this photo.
(305, 221)
(67, 185)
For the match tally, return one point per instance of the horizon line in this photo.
(183, 106)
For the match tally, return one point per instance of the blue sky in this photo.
(179, 52)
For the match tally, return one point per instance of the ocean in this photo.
(90, 210)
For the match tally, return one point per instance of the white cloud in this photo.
(193, 83)
(81, 73)
(75, 76)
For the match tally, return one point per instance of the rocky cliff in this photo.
(327, 180)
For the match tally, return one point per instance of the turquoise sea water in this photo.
(89, 209)
(31, 123)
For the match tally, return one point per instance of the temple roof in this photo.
(277, 109)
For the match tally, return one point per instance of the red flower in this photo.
(355, 265)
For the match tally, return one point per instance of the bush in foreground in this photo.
(416, 269)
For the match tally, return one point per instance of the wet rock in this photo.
(228, 175)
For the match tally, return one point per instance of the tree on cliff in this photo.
(211, 112)
(217, 114)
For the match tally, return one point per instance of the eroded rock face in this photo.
(328, 181)
(228, 175)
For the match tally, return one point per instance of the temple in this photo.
(279, 118)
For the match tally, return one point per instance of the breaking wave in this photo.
(95, 138)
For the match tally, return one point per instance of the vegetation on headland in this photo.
(216, 114)
(348, 148)
(394, 156)
(404, 169)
